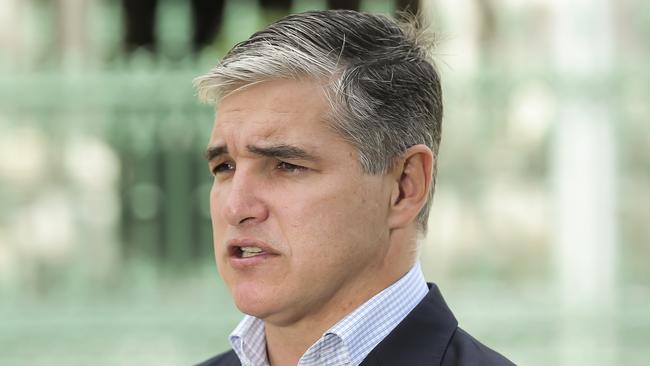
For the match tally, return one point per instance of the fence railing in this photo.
(156, 130)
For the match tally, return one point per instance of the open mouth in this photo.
(246, 251)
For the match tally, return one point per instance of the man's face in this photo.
(299, 229)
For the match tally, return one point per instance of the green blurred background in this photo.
(539, 235)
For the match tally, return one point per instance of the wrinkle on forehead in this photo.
(274, 95)
(281, 112)
(255, 129)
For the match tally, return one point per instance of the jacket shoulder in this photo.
(465, 350)
(225, 359)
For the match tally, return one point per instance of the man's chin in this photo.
(270, 311)
(254, 301)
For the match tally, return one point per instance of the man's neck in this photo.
(287, 343)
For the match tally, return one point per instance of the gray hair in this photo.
(382, 85)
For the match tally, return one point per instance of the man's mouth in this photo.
(247, 252)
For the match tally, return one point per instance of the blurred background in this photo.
(540, 232)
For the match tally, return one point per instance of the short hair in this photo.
(381, 83)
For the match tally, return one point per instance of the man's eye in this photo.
(283, 165)
(223, 167)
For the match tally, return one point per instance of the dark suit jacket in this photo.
(429, 335)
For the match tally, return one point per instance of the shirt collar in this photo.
(354, 336)
(371, 322)
(249, 342)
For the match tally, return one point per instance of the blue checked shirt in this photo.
(350, 340)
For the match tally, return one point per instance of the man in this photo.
(324, 153)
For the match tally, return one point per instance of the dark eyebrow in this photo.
(275, 151)
(281, 151)
(214, 151)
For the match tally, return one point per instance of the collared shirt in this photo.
(350, 340)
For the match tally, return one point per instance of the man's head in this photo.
(381, 84)
(323, 156)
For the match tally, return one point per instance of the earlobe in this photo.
(413, 181)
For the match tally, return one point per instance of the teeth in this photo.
(247, 252)
(251, 249)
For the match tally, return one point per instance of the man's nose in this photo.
(243, 204)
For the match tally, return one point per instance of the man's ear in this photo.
(413, 175)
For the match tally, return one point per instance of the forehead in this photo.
(275, 109)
